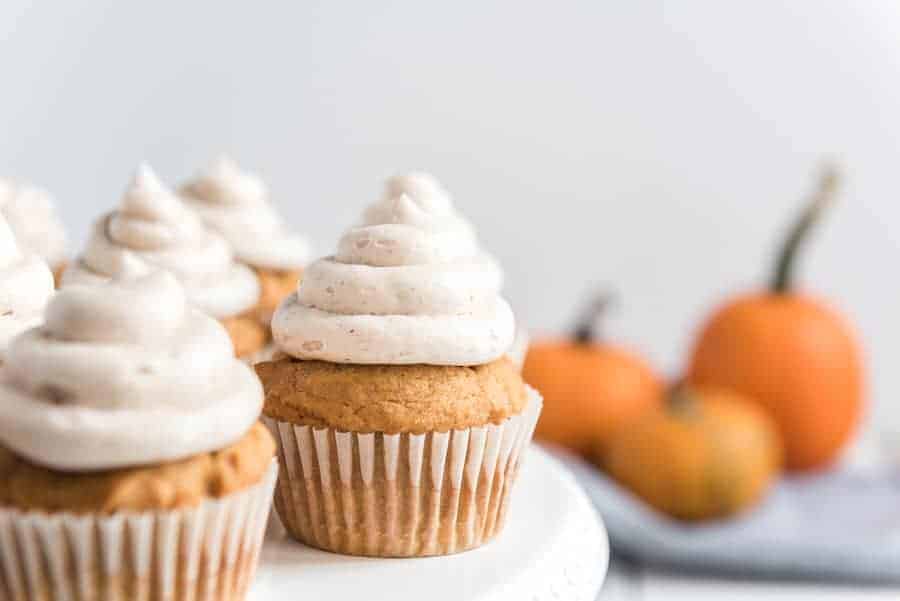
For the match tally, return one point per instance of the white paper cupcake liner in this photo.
(208, 552)
(399, 495)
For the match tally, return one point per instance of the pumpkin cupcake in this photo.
(153, 228)
(32, 216)
(400, 422)
(132, 464)
(26, 284)
(236, 205)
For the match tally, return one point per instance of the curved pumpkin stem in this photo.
(586, 330)
(822, 198)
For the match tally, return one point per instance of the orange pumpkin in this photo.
(707, 454)
(791, 353)
(590, 388)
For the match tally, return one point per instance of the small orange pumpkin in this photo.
(707, 454)
(590, 388)
(791, 353)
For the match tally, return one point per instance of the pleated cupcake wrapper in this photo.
(208, 552)
(399, 495)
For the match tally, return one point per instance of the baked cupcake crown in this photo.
(124, 374)
(153, 226)
(26, 285)
(409, 285)
(31, 215)
(236, 204)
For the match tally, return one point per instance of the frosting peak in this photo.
(404, 231)
(226, 183)
(30, 213)
(409, 285)
(150, 216)
(104, 383)
(152, 228)
(423, 188)
(236, 204)
(148, 198)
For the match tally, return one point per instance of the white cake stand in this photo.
(554, 547)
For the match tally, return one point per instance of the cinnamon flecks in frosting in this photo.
(408, 285)
(26, 285)
(33, 219)
(152, 226)
(121, 375)
(236, 204)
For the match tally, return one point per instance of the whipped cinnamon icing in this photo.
(236, 204)
(26, 285)
(31, 215)
(408, 285)
(124, 374)
(155, 228)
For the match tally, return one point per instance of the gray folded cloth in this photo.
(839, 525)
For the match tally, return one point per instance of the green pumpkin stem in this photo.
(822, 198)
(586, 329)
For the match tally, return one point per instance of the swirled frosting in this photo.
(408, 285)
(26, 285)
(236, 204)
(124, 374)
(154, 227)
(30, 213)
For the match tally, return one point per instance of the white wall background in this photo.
(657, 147)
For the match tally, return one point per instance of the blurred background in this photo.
(658, 148)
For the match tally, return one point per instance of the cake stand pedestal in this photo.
(553, 548)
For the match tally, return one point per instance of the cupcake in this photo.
(30, 213)
(26, 284)
(154, 229)
(132, 462)
(236, 205)
(400, 422)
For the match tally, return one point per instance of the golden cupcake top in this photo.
(391, 398)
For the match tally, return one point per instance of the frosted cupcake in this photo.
(152, 228)
(132, 464)
(31, 214)
(26, 285)
(236, 204)
(399, 420)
